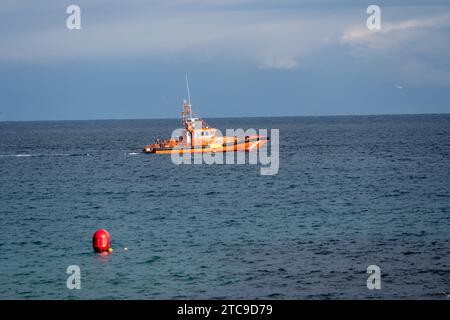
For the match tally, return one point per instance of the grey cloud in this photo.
(266, 38)
(419, 47)
(242, 30)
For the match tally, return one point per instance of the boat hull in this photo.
(250, 144)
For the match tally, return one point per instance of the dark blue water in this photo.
(350, 192)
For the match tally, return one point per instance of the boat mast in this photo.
(189, 96)
(186, 115)
(187, 111)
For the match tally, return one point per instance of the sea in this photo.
(351, 192)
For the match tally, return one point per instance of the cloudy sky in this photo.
(243, 57)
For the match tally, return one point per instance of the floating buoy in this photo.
(101, 241)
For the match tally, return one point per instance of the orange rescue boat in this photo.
(197, 137)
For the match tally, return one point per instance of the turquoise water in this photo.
(350, 192)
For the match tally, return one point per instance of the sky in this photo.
(243, 58)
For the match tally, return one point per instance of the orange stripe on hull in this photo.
(247, 146)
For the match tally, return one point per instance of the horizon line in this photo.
(242, 117)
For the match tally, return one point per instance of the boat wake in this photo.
(40, 155)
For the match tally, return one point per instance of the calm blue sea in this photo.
(351, 191)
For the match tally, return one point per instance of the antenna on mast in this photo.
(188, 92)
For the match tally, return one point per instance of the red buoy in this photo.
(101, 241)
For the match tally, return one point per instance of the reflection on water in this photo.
(103, 257)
